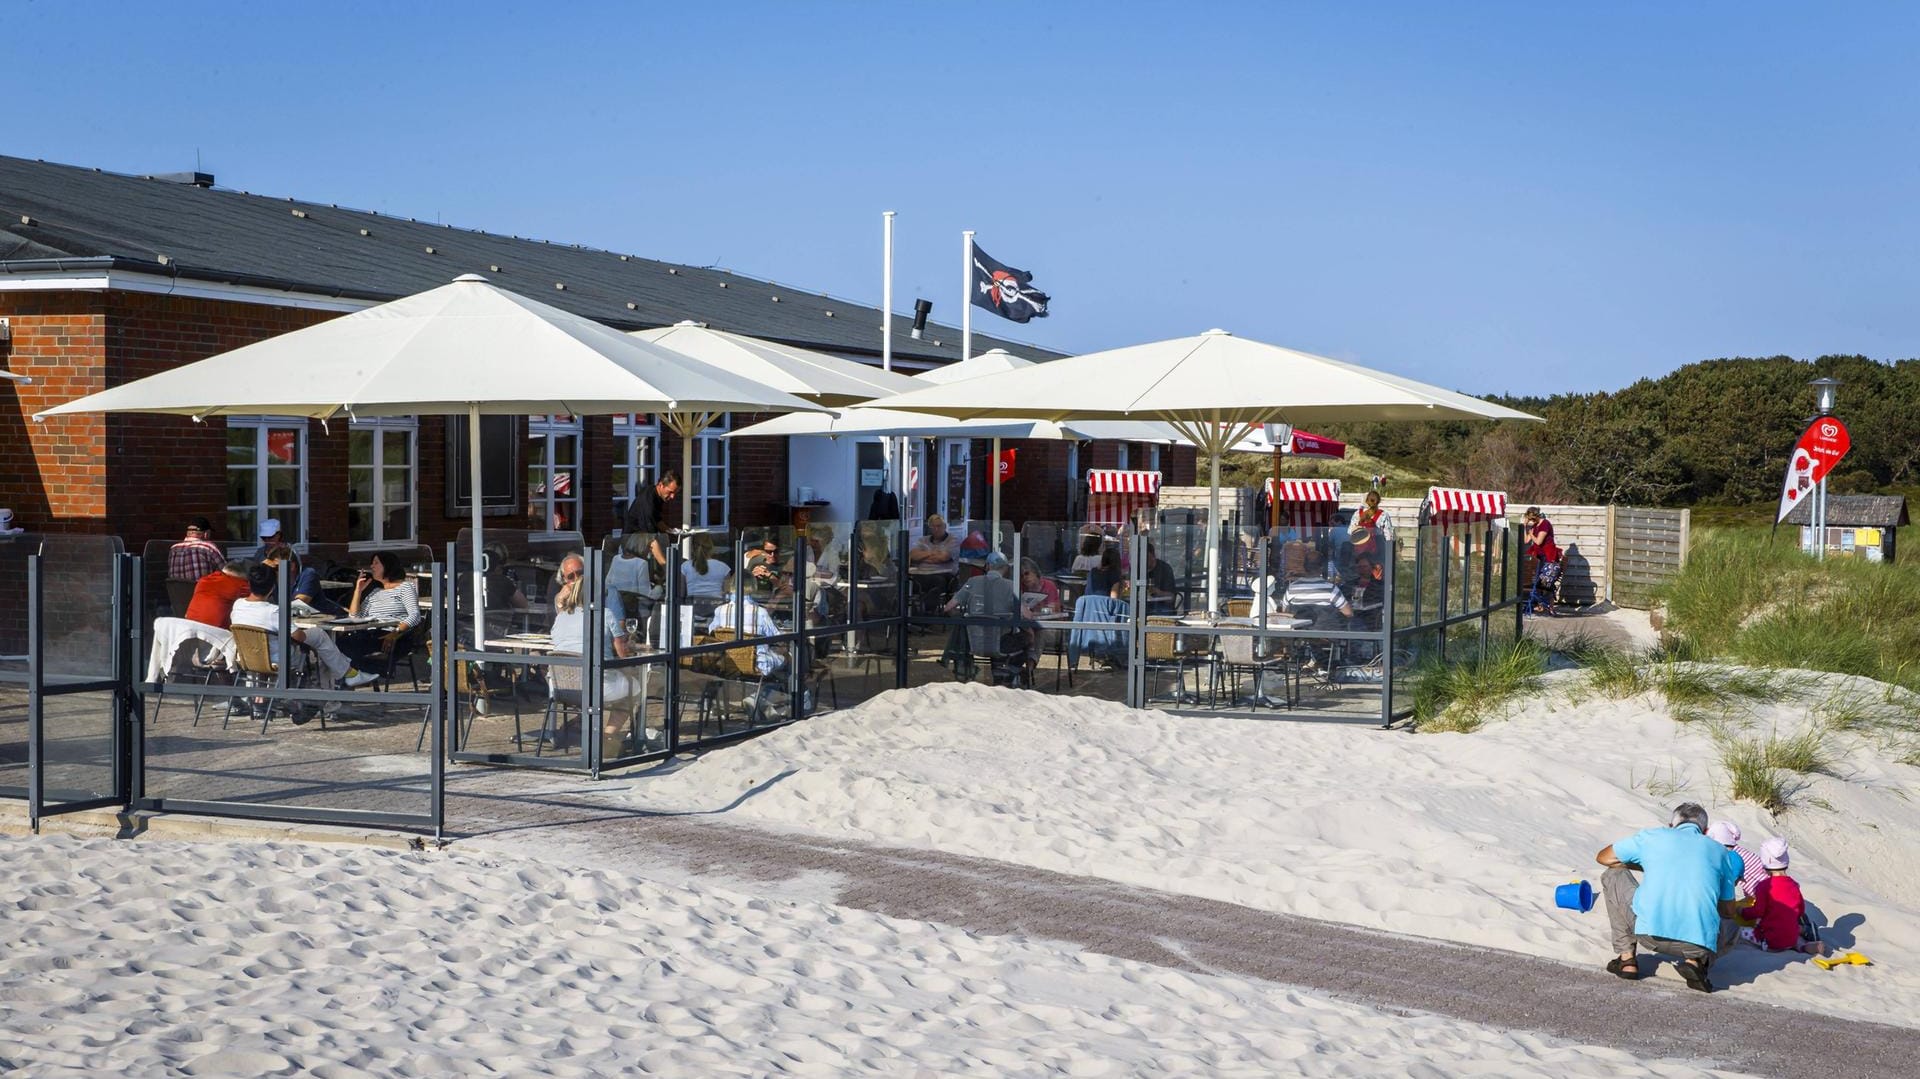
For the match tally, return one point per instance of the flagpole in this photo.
(995, 533)
(966, 311)
(896, 470)
(966, 295)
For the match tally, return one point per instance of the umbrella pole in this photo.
(686, 480)
(994, 537)
(479, 572)
(1213, 528)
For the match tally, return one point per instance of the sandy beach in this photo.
(256, 959)
(1454, 837)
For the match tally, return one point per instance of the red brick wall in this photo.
(52, 474)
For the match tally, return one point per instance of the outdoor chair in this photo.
(196, 662)
(253, 654)
(179, 596)
(565, 697)
(730, 673)
(1178, 652)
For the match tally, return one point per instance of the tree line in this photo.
(1714, 432)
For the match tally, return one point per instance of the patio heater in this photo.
(1823, 389)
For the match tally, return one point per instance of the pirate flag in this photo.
(1005, 291)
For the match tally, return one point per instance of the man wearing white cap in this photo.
(269, 531)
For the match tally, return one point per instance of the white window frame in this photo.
(553, 428)
(701, 472)
(261, 427)
(631, 432)
(381, 427)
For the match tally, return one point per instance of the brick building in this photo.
(105, 278)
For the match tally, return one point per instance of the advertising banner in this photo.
(1819, 448)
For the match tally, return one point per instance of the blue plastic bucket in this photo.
(1576, 895)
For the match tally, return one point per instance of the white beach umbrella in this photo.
(467, 348)
(816, 376)
(1214, 388)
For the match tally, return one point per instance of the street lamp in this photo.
(1824, 388)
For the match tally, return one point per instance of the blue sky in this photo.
(1523, 198)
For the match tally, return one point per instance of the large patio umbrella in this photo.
(467, 348)
(892, 423)
(816, 376)
(1214, 389)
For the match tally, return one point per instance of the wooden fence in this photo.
(1649, 548)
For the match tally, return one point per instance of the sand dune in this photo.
(1456, 837)
(212, 959)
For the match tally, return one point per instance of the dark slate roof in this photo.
(80, 217)
(1856, 511)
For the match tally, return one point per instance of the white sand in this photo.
(1458, 837)
(213, 959)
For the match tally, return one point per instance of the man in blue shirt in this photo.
(1678, 908)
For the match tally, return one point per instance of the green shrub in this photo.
(1749, 776)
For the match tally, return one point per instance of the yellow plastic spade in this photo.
(1828, 962)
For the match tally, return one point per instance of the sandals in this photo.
(1694, 973)
(1618, 967)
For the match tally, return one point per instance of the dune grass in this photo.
(1765, 771)
(1765, 604)
(1459, 696)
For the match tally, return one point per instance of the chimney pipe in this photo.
(921, 308)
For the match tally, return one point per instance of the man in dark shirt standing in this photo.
(647, 516)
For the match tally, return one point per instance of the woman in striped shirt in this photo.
(396, 599)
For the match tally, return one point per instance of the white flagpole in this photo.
(896, 470)
(966, 295)
(995, 530)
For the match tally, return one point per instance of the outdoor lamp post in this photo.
(1823, 389)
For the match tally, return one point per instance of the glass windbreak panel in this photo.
(221, 727)
(827, 588)
(76, 746)
(706, 571)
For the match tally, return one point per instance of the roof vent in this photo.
(671, 270)
(197, 179)
(366, 232)
(561, 285)
(723, 284)
(829, 314)
(25, 220)
(429, 250)
(299, 213)
(776, 299)
(492, 268)
(164, 260)
(631, 306)
(626, 258)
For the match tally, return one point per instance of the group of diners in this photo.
(239, 591)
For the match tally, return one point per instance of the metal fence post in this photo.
(901, 606)
(36, 690)
(437, 677)
(1386, 633)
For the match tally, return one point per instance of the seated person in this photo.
(1369, 589)
(1088, 557)
(876, 550)
(763, 565)
(308, 598)
(754, 622)
(937, 549)
(823, 569)
(215, 594)
(1315, 597)
(1160, 584)
(385, 593)
(1031, 585)
(1107, 577)
(503, 589)
(258, 608)
(988, 596)
(569, 632)
(702, 576)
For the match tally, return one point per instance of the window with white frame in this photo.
(381, 465)
(266, 477)
(553, 472)
(708, 493)
(636, 456)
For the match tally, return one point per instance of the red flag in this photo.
(1819, 448)
(1003, 470)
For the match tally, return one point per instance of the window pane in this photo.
(240, 487)
(396, 485)
(240, 525)
(360, 485)
(292, 529)
(283, 486)
(242, 443)
(394, 448)
(359, 524)
(360, 447)
(399, 523)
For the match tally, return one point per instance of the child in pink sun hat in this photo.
(1778, 908)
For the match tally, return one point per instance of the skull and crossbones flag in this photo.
(1005, 291)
